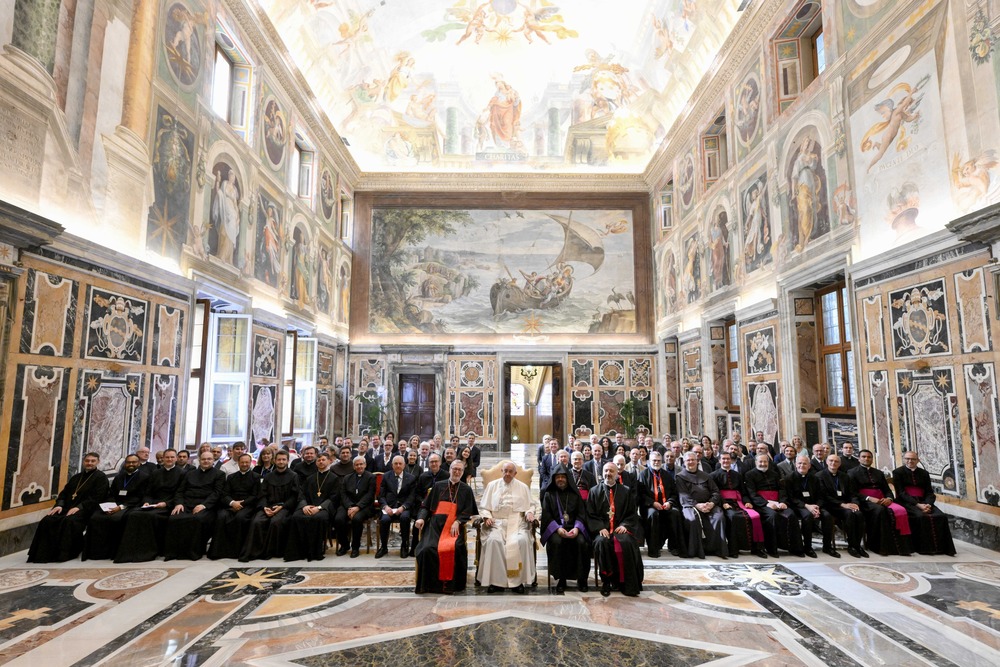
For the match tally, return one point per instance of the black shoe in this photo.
(773, 553)
(519, 589)
(722, 556)
(561, 587)
(404, 553)
(493, 590)
(583, 588)
(653, 554)
(341, 551)
(355, 553)
(413, 550)
(811, 553)
(862, 552)
(851, 551)
(606, 589)
(758, 553)
(675, 552)
(381, 552)
(830, 551)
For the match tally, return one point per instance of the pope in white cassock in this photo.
(508, 511)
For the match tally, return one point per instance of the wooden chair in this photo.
(525, 475)
(375, 518)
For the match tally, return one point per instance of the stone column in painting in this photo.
(129, 192)
(35, 25)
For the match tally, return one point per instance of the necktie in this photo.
(399, 485)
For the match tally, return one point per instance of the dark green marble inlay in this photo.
(514, 642)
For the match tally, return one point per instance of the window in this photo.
(799, 52)
(219, 383)
(714, 150)
(300, 168)
(839, 393)
(733, 364)
(667, 208)
(545, 401)
(299, 391)
(222, 84)
(346, 217)
(196, 381)
(231, 82)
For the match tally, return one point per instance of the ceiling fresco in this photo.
(503, 85)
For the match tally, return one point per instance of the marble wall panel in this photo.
(116, 326)
(161, 420)
(763, 409)
(973, 312)
(720, 377)
(37, 428)
(107, 417)
(583, 409)
(611, 373)
(48, 314)
(470, 413)
(639, 371)
(919, 320)
(885, 453)
(691, 358)
(168, 337)
(324, 409)
(471, 375)
(266, 356)
(582, 372)
(805, 340)
(672, 390)
(759, 351)
(694, 412)
(262, 412)
(609, 414)
(981, 395)
(324, 369)
(871, 314)
(929, 417)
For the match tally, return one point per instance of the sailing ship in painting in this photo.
(547, 290)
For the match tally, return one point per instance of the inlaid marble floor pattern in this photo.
(341, 611)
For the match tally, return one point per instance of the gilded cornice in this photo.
(746, 35)
(259, 30)
(499, 182)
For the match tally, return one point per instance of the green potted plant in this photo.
(626, 412)
(372, 413)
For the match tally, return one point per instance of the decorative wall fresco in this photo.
(882, 441)
(476, 271)
(265, 355)
(183, 41)
(806, 183)
(721, 244)
(222, 238)
(747, 112)
(756, 217)
(763, 409)
(274, 132)
(271, 235)
(692, 267)
(691, 360)
(172, 158)
(973, 311)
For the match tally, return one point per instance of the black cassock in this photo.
(59, 537)
(307, 534)
(568, 558)
(739, 523)
(881, 533)
(267, 534)
(444, 502)
(782, 528)
(145, 528)
(187, 532)
(658, 486)
(104, 531)
(232, 526)
(622, 566)
(930, 532)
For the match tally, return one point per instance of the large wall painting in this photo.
(270, 237)
(805, 174)
(900, 157)
(757, 233)
(173, 156)
(528, 272)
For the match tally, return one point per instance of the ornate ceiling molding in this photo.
(502, 182)
(747, 35)
(271, 50)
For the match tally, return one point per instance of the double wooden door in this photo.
(416, 406)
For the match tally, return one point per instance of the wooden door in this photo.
(416, 406)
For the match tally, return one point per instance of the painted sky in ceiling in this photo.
(503, 85)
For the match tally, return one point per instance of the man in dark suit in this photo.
(357, 500)
(396, 498)
(581, 476)
(547, 464)
(382, 460)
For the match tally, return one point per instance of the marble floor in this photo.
(341, 611)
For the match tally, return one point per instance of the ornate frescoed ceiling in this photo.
(561, 86)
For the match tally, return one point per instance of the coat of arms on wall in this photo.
(760, 351)
(265, 356)
(116, 326)
(919, 320)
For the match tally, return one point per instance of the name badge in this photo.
(122, 493)
(805, 494)
(839, 493)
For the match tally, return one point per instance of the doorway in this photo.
(534, 405)
(416, 406)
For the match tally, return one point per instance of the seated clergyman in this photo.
(614, 522)
(508, 512)
(931, 534)
(442, 557)
(564, 531)
(59, 536)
